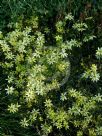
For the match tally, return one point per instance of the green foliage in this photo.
(13, 108)
(92, 73)
(12, 9)
(99, 53)
(40, 76)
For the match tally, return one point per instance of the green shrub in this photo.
(36, 72)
